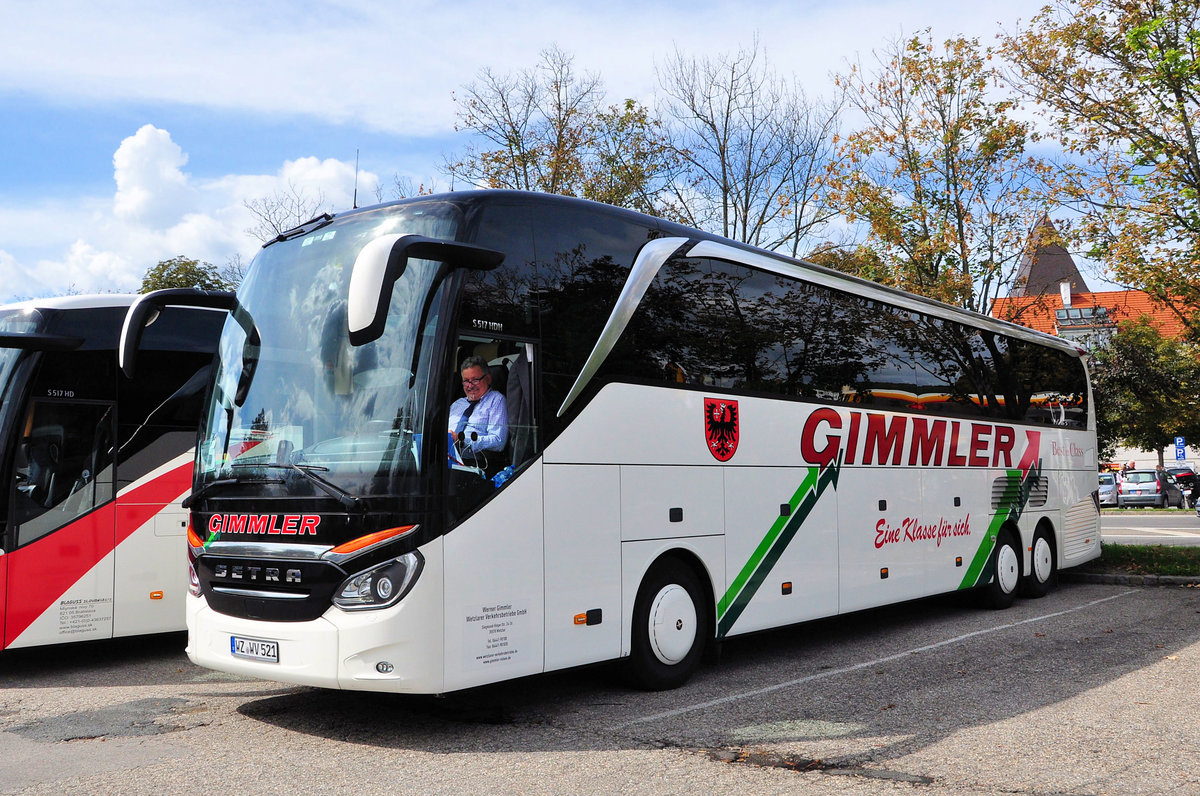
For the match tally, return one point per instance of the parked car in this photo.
(1186, 477)
(1149, 488)
(1108, 489)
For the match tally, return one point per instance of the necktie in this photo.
(462, 421)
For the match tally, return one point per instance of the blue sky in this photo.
(131, 132)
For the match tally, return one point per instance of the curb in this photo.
(1131, 580)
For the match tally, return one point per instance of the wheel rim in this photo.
(672, 629)
(1008, 568)
(1043, 560)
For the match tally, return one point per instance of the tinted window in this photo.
(180, 329)
(63, 466)
(583, 259)
(99, 327)
(76, 374)
(716, 324)
(502, 300)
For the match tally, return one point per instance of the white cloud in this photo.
(158, 211)
(151, 188)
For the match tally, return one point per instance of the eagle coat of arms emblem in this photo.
(721, 427)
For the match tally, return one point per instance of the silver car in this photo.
(1149, 488)
(1108, 489)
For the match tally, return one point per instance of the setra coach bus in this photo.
(703, 439)
(93, 467)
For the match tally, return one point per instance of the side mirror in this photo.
(145, 309)
(382, 261)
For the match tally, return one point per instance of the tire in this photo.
(1043, 574)
(670, 627)
(1004, 566)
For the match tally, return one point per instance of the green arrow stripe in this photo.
(1012, 504)
(769, 550)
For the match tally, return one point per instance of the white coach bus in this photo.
(93, 467)
(704, 439)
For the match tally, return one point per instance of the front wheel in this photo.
(1043, 567)
(1006, 572)
(670, 627)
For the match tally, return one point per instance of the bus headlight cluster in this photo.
(380, 586)
(193, 580)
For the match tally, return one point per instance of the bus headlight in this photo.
(380, 586)
(193, 579)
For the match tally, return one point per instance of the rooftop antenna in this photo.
(354, 202)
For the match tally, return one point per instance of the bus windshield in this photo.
(294, 402)
(15, 322)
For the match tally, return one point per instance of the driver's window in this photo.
(63, 466)
(492, 424)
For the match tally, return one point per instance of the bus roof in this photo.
(801, 269)
(74, 302)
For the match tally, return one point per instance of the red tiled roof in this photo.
(1037, 312)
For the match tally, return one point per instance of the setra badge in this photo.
(721, 427)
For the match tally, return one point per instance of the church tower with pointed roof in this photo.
(1046, 265)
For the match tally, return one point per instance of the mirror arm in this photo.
(142, 311)
(370, 282)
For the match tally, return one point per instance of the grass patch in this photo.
(1145, 559)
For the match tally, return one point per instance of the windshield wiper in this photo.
(199, 493)
(302, 229)
(349, 502)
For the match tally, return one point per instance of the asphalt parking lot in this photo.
(1090, 690)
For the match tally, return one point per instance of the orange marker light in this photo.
(370, 539)
(193, 538)
(156, 595)
(581, 619)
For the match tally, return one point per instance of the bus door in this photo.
(59, 581)
(493, 559)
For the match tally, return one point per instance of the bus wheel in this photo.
(1006, 572)
(670, 622)
(1044, 574)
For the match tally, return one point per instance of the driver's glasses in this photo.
(474, 381)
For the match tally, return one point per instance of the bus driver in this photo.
(479, 421)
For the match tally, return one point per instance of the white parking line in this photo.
(855, 667)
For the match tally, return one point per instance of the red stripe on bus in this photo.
(136, 506)
(48, 567)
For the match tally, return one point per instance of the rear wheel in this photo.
(1043, 565)
(670, 627)
(1005, 566)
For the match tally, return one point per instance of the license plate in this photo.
(254, 648)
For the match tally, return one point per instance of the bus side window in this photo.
(63, 467)
(510, 365)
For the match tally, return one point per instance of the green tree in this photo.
(631, 161)
(183, 272)
(939, 172)
(1121, 81)
(1146, 389)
